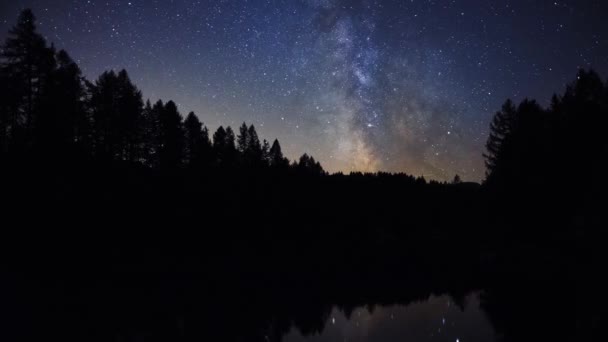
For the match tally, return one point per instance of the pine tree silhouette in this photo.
(277, 160)
(499, 139)
(171, 138)
(27, 65)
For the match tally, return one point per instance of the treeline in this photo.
(49, 112)
(547, 184)
(48, 109)
(530, 145)
(552, 162)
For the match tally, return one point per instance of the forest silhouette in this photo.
(109, 200)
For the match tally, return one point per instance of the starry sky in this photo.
(362, 85)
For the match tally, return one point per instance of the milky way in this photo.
(395, 85)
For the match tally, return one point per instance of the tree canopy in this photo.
(46, 104)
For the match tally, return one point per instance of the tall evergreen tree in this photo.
(499, 139)
(230, 139)
(253, 155)
(147, 143)
(254, 141)
(219, 139)
(8, 114)
(583, 114)
(231, 153)
(64, 123)
(243, 139)
(27, 64)
(152, 141)
(117, 107)
(131, 120)
(224, 147)
(206, 148)
(266, 153)
(195, 140)
(70, 79)
(172, 137)
(276, 157)
(219, 146)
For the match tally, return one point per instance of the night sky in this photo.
(393, 85)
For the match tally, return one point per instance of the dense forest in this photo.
(49, 111)
(99, 184)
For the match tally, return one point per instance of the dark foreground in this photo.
(116, 260)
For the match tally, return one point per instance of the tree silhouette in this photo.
(583, 113)
(231, 153)
(152, 141)
(131, 107)
(46, 102)
(149, 128)
(249, 146)
(276, 158)
(537, 158)
(254, 148)
(224, 147)
(219, 140)
(171, 137)
(66, 124)
(117, 108)
(7, 113)
(307, 165)
(27, 65)
(193, 129)
(498, 143)
(198, 147)
(265, 153)
(528, 159)
(243, 139)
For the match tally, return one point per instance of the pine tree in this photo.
(206, 148)
(102, 103)
(172, 137)
(254, 145)
(276, 157)
(219, 139)
(500, 129)
(64, 123)
(193, 129)
(243, 139)
(130, 115)
(230, 139)
(253, 154)
(219, 146)
(266, 153)
(5, 110)
(117, 107)
(27, 64)
(147, 142)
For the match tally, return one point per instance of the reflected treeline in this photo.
(124, 221)
(230, 304)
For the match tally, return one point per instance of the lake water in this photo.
(437, 319)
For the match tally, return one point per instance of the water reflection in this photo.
(437, 319)
(245, 302)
